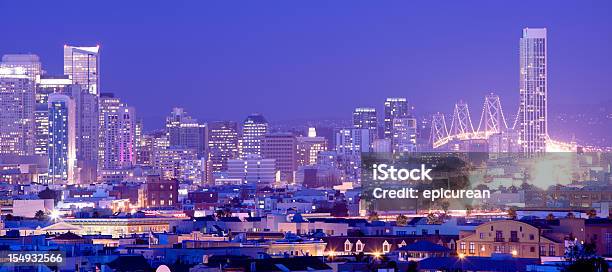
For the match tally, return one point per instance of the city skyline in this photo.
(306, 136)
(392, 64)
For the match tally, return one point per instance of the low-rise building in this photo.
(518, 238)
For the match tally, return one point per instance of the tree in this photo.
(570, 215)
(39, 215)
(9, 217)
(550, 217)
(433, 218)
(48, 194)
(468, 209)
(401, 220)
(373, 216)
(582, 257)
(227, 211)
(219, 213)
(339, 209)
(512, 213)
(592, 214)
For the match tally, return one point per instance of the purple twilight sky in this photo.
(313, 59)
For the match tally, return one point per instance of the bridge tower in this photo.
(461, 123)
(492, 119)
(438, 129)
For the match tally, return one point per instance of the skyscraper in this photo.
(168, 160)
(350, 144)
(17, 104)
(222, 143)
(184, 131)
(254, 128)
(87, 132)
(62, 136)
(117, 132)
(282, 147)
(352, 141)
(394, 108)
(404, 135)
(366, 118)
(46, 85)
(29, 62)
(532, 118)
(83, 66)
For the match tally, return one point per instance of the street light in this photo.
(55, 214)
(376, 254)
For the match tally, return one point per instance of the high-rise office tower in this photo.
(404, 135)
(41, 129)
(394, 108)
(30, 63)
(366, 118)
(62, 135)
(184, 131)
(282, 147)
(116, 134)
(222, 144)
(532, 118)
(141, 143)
(87, 132)
(46, 85)
(352, 141)
(168, 160)
(308, 148)
(149, 145)
(254, 128)
(82, 64)
(17, 104)
(350, 144)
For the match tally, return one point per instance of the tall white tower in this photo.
(83, 66)
(532, 119)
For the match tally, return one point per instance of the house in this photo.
(522, 239)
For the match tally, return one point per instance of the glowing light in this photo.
(514, 252)
(376, 254)
(55, 214)
(558, 146)
(461, 256)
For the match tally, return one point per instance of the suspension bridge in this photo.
(492, 121)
